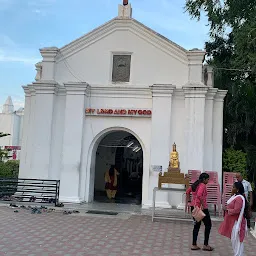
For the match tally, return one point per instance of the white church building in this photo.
(11, 122)
(120, 95)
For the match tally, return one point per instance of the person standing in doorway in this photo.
(248, 195)
(199, 195)
(111, 182)
(234, 224)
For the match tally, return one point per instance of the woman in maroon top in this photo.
(199, 196)
(234, 225)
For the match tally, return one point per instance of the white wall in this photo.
(6, 126)
(149, 65)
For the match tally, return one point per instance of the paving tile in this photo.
(51, 234)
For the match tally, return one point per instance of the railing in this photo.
(30, 190)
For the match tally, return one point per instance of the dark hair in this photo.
(203, 176)
(112, 171)
(239, 186)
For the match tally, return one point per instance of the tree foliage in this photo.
(234, 161)
(3, 153)
(2, 134)
(231, 50)
(9, 169)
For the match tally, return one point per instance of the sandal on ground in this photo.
(67, 212)
(208, 248)
(195, 248)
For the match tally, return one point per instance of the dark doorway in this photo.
(124, 151)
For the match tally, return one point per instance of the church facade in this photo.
(121, 77)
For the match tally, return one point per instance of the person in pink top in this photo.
(199, 196)
(234, 225)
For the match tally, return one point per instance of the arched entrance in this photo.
(123, 150)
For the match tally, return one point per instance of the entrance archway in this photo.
(124, 151)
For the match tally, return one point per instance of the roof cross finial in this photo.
(125, 2)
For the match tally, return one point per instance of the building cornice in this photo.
(49, 53)
(179, 94)
(196, 57)
(162, 90)
(211, 93)
(195, 92)
(220, 95)
(74, 88)
(26, 90)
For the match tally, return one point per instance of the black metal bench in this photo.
(30, 190)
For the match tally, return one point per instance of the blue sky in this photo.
(27, 25)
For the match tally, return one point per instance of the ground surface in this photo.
(48, 234)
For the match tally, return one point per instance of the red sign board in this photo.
(118, 112)
(13, 147)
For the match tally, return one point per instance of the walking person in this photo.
(234, 224)
(111, 182)
(199, 195)
(248, 195)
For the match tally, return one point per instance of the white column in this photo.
(195, 60)
(218, 132)
(72, 142)
(194, 129)
(160, 141)
(57, 133)
(42, 129)
(208, 135)
(24, 158)
(48, 63)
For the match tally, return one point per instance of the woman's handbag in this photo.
(198, 214)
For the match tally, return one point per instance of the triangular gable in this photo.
(133, 26)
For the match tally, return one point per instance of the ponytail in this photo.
(195, 185)
(203, 176)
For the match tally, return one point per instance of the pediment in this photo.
(131, 25)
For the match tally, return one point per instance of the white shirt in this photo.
(247, 187)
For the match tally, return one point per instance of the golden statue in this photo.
(174, 158)
(173, 175)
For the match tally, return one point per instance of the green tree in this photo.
(3, 153)
(4, 134)
(234, 161)
(231, 50)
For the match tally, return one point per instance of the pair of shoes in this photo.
(205, 248)
(67, 212)
(195, 248)
(60, 205)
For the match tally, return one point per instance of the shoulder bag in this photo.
(197, 213)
